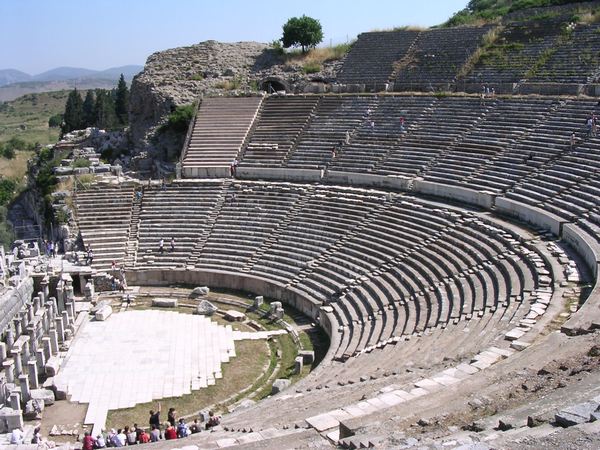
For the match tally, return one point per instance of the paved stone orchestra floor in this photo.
(139, 356)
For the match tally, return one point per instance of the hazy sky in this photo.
(37, 35)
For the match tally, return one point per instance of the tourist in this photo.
(233, 168)
(155, 417)
(37, 436)
(195, 427)
(90, 256)
(594, 124)
(87, 442)
(589, 126)
(347, 137)
(117, 438)
(130, 435)
(143, 437)
(161, 246)
(100, 442)
(372, 125)
(170, 431)
(16, 437)
(213, 420)
(163, 184)
(172, 416)
(572, 140)
(155, 433)
(402, 124)
(110, 438)
(182, 429)
(172, 244)
(493, 93)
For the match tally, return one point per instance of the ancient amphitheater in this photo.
(447, 243)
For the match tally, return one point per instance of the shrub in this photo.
(55, 121)
(7, 190)
(82, 162)
(311, 67)
(179, 120)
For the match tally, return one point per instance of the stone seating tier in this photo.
(371, 58)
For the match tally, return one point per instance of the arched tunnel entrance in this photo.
(272, 85)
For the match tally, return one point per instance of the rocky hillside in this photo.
(179, 76)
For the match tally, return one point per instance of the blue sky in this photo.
(37, 35)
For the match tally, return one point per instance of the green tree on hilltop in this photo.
(122, 101)
(302, 31)
(89, 119)
(73, 118)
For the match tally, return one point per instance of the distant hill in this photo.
(63, 73)
(14, 83)
(8, 76)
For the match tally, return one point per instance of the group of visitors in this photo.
(51, 248)
(161, 245)
(173, 428)
(487, 92)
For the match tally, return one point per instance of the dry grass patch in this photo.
(17, 167)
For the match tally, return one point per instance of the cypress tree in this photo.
(104, 110)
(73, 118)
(122, 101)
(89, 119)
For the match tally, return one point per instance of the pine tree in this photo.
(122, 101)
(73, 118)
(89, 119)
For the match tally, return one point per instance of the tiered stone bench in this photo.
(104, 216)
(371, 58)
(436, 57)
(217, 136)
(279, 123)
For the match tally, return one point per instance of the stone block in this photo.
(574, 415)
(206, 308)
(164, 302)
(274, 306)
(52, 366)
(10, 419)
(308, 356)
(514, 334)
(103, 313)
(258, 301)
(44, 395)
(199, 292)
(234, 316)
(278, 314)
(279, 385)
(33, 409)
(298, 364)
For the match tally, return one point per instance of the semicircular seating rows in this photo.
(402, 279)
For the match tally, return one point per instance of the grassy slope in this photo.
(486, 10)
(27, 117)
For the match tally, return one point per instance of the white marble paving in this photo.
(139, 356)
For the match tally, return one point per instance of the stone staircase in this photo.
(134, 234)
(213, 215)
(221, 127)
